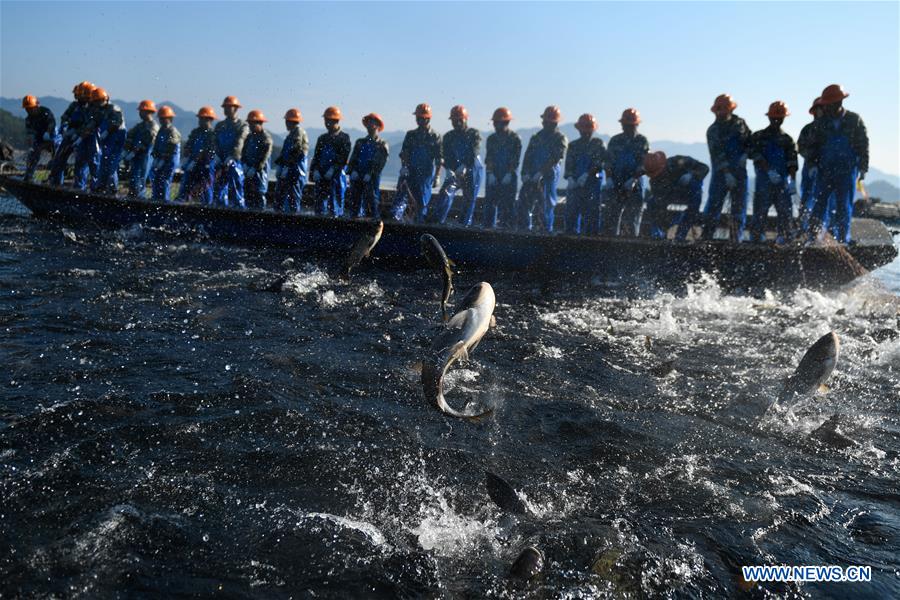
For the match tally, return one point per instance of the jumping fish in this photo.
(814, 368)
(456, 341)
(437, 258)
(529, 563)
(504, 495)
(363, 246)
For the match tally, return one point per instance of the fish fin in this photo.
(824, 389)
(493, 322)
(459, 351)
(451, 263)
(444, 314)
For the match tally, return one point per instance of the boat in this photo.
(640, 261)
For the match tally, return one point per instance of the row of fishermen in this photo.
(605, 189)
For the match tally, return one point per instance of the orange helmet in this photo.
(423, 110)
(84, 92)
(207, 112)
(552, 114)
(374, 118)
(231, 101)
(778, 110)
(166, 112)
(459, 112)
(79, 88)
(586, 122)
(832, 94)
(256, 116)
(723, 103)
(654, 163)
(333, 113)
(293, 115)
(630, 116)
(502, 114)
(98, 94)
(30, 102)
(815, 105)
(147, 105)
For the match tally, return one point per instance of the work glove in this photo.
(791, 187)
(814, 171)
(730, 181)
(229, 162)
(367, 178)
(685, 179)
(315, 176)
(572, 183)
(250, 172)
(491, 179)
(507, 179)
(354, 176)
(774, 177)
(459, 173)
(404, 171)
(329, 173)
(582, 179)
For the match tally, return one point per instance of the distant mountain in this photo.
(12, 130)
(883, 190)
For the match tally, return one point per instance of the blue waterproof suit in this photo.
(729, 148)
(504, 151)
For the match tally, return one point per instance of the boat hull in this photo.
(628, 260)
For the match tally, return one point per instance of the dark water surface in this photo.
(168, 429)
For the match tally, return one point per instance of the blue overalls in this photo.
(693, 196)
(544, 191)
(364, 199)
(38, 125)
(500, 198)
(455, 154)
(767, 193)
(69, 143)
(622, 204)
(583, 203)
(736, 163)
(87, 152)
(418, 182)
(256, 155)
(139, 165)
(111, 134)
(293, 175)
(330, 192)
(198, 181)
(838, 164)
(229, 178)
(167, 141)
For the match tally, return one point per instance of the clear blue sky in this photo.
(667, 59)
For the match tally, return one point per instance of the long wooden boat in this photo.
(609, 259)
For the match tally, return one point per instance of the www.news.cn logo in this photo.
(807, 574)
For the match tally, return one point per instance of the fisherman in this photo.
(585, 177)
(230, 135)
(255, 161)
(463, 166)
(290, 166)
(199, 168)
(69, 125)
(41, 124)
(328, 162)
(367, 160)
(675, 180)
(541, 168)
(165, 154)
(504, 151)
(775, 157)
(420, 166)
(625, 190)
(111, 135)
(87, 153)
(728, 139)
(840, 147)
(138, 144)
(810, 171)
